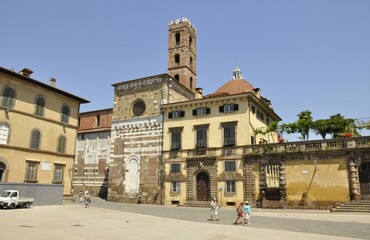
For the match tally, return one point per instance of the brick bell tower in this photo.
(182, 52)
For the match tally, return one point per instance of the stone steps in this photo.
(202, 204)
(358, 206)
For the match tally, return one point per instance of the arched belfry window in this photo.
(40, 104)
(191, 82)
(177, 77)
(191, 61)
(190, 41)
(8, 97)
(177, 58)
(177, 38)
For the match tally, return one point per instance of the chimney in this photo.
(52, 82)
(198, 93)
(26, 72)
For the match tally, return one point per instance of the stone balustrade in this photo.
(300, 146)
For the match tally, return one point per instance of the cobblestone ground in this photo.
(304, 221)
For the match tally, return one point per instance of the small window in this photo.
(229, 108)
(65, 114)
(177, 38)
(40, 105)
(190, 41)
(175, 187)
(175, 140)
(230, 186)
(58, 173)
(191, 61)
(176, 114)
(31, 171)
(201, 111)
(61, 144)
(177, 58)
(8, 97)
(175, 167)
(35, 139)
(177, 77)
(191, 82)
(230, 166)
(98, 120)
(253, 109)
(260, 115)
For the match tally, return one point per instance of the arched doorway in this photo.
(132, 175)
(2, 171)
(203, 187)
(364, 172)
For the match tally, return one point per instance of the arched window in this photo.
(4, 133)
(190, 41)
(191, 61)
(65, 114)
(191, 82)
(8, 97)
(40, 104)
(61, 144)
(177, 38)
(177, 58)
(177, 77)
(35, 139)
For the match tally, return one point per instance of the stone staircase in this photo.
(202, 204)
(354, 206)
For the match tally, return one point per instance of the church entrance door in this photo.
(365, 180)
(202, 187)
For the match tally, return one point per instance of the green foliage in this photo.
(322, 127)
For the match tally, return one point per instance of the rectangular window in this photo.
(201, 138)
(58, 173)
(230, 166)
(201, 111)
(98, 120)
(175, 167)
(260, 115)
(175, 187)
(175, 140)
(229, 135)
(230, 186)
(253, 109)
(272, 176)
(31, 171)
(176, 114)
(229, 108)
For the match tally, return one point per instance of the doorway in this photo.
(364, 172)
(203, 187)
(2, 171)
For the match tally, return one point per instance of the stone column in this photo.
(282, 180)
(354, 180)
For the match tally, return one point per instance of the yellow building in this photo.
(203, 142)
(38, 129)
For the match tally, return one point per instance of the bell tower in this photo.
(182, 52)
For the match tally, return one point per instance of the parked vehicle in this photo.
(11, 199)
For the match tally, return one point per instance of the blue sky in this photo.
(312, 55)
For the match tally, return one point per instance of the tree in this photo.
(322, 127)
(304, 123)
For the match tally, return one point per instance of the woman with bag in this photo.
(240, 213)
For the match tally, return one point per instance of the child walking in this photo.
(247, 212)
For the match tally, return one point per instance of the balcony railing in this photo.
(301, 146)
(306, 146)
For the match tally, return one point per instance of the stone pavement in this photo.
(108, 220)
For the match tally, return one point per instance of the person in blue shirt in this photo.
(247, 212)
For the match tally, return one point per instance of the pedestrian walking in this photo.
(240, 213)
(80, 196)
(87, 199)
(247, 212)
(214, 208)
